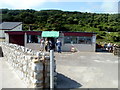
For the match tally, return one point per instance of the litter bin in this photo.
(1, 53)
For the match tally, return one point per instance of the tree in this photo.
(66, 21)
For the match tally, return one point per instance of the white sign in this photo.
(94, 39)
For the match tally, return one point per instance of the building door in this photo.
(53, 40)
(17, 39)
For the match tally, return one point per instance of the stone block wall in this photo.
(32, 67)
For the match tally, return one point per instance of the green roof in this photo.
(50, 34)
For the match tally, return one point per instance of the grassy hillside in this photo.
(106, 25)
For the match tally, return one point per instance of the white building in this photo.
(9, 26)
(81, 41)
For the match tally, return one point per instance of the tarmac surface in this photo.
(87, 70)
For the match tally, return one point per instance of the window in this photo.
(70, 39)
(81, 40)
(67, 39)
(84, 40)
(33, 39)
(74, 39)
(77, 40)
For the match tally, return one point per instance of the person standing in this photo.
(58, 45)
(109, 46)
(39, 40)
(46, 45)
(50, 45)
(42, 44)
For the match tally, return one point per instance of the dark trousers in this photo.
(58, 49)
(46, 48)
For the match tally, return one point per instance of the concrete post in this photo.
(51, 69)
(94, 42)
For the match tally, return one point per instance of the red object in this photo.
(14, 32)
(33, 33)
(17, 39)
(77, 34)
(23, 32)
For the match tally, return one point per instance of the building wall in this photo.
(29, 65)
(79, 47)
(33, 46)
(2, 35)
(66, 47)
(91, 47)
(18, 28)
(7, 37)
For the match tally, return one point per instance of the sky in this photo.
(93, 6)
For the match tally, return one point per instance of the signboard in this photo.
(50, 34)
(94, 39)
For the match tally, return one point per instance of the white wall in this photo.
(82, 47)
(7, 37)
(79, 47)
(33, 46)
(67, 47)
(29, 69)
(2, 34)
(18, 28)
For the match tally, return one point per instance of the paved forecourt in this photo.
(8, 77)
(87, 70)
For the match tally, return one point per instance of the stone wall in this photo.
(32, 67)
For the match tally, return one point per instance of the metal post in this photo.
(51, 69)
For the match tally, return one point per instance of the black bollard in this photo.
(1, 52)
